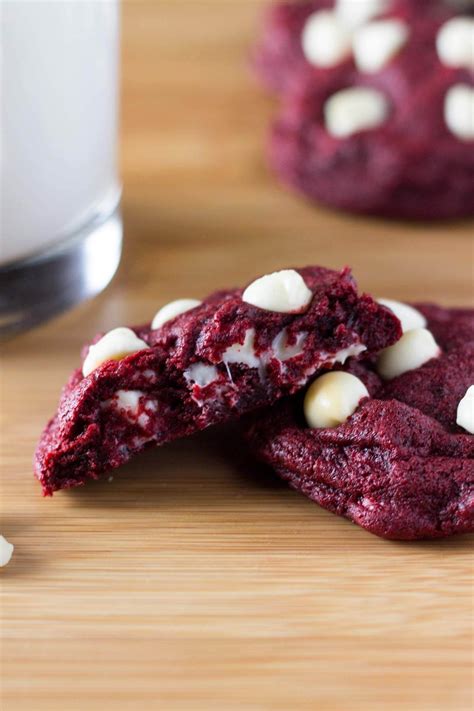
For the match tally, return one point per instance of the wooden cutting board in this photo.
(193, 580)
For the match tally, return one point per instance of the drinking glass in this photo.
(60, 223)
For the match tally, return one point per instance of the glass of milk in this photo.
(60, 225)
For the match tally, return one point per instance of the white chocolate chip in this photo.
(129, 400)
(143, 420)
(356, 12)
(173, 309)
(6, 551)
(345, 353)
(408, 316)
(465, 412)
(283, 292)
(414, 348)
(115, 345)
(201, 374)
(376, 43)
(459, 111)
(325, 39)
(332, 398)
(282, 351)
(127, 403)
(455, 42)
(356, 109)
(243, 352)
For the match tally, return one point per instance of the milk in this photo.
(58, 120)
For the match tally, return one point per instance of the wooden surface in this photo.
(193, 580)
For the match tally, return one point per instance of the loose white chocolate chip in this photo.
(409, 317)
(283, 292)
(356, 12)
(376, 43)
(455, 42)
(115, 345)
(459, 111)
(325, 39)
(6, 551)
(173, 309)
(414, 348)
(465, 412)
(332, 398)
(355, 109)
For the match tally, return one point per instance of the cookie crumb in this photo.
(6, 551)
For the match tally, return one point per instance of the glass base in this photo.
(35, 289)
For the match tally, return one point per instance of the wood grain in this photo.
(193, 579)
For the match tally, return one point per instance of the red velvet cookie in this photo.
(377, 116)
(234, 352)
(402, 465)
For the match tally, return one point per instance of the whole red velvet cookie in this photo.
(203, 363)
(395, 454)
(378, 104)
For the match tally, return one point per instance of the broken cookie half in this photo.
(202, 363)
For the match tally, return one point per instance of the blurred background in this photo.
(202, 209)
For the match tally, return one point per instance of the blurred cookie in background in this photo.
(377, 109)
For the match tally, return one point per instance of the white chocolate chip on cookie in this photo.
(459, 111)
(455, 42)
(355, 109)
(173, 309)
(376, 43)
(115, 345)
(325, 39)
(332, 398)
(414, 348)
(465, 411)
(409, 317)
(283, 292)
(129, 400)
